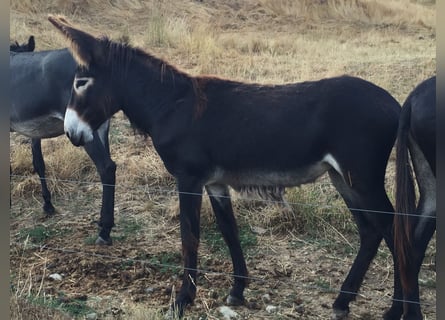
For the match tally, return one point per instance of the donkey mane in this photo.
(120, 55)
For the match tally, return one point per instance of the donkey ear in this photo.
(84, 47)
(31, 43)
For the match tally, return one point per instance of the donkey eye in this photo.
(81, 84)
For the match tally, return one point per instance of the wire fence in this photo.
(268, 201)
(205, 271)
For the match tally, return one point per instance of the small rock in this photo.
(252, 304)
(258, 230)
(91, 316)
(271, 309)
(55, 276)
(300, 309)
(149, 290)
(227, 313)
(266, 297)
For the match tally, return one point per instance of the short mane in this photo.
(119, 56)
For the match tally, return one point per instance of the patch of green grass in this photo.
(318, 243)
(125, 264)
(428, 283)
(126, 228)
(323, 285)
(76, 308)
(37, 234)
(167, 262)
(90, 240)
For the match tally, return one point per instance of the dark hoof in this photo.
(234, 301)
(49, 209)
(102, 242)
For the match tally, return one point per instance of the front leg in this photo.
(222, 207)
(39, 167)
(99, 152)
(190, 199)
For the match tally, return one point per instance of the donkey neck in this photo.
(152, 92)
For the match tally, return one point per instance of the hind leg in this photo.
(39, 167)
(373, 227)
(412, 310)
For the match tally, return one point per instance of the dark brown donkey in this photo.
(214, 133)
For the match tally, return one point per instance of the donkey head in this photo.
(26, 47)
(93, 99)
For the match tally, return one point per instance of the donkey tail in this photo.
(405, 199)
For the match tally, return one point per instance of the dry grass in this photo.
(391, 43)
(401, 13)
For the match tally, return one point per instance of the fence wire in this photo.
(176, 192)
(155, 190)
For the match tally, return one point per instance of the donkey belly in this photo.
(48, 126)
(269, 183)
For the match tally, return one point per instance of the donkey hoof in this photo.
(102, 242)
(234, 301)
(49, 209)
(339, 314)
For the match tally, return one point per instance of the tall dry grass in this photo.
(401, 13)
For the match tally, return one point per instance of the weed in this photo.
(428, 283)
(167, 262)
(319, 243)
(37, 234)
(323, 285)
(127, 228)
(73, 307)
(90, 240)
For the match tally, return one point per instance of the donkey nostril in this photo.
(68, 134)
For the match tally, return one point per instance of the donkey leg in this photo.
(381, 218)
(369, 243)
(396, 309)
(411, 297)
(190, 199)
(424, 228)
(372, 229)
(39, 167)
(99, 152)
(222, 207)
